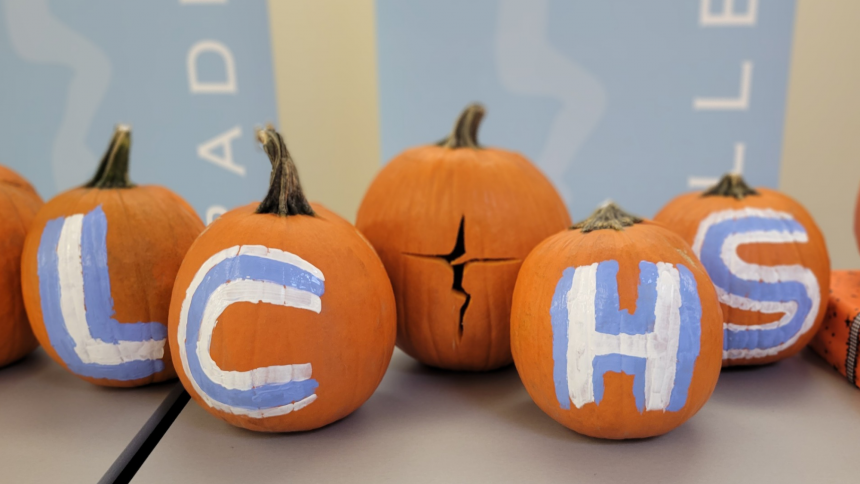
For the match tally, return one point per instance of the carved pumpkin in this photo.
(98, 269)
(838, 340)
(282, 317)
(452, 223)
(616, 329)
(20, 202)
(769, 263)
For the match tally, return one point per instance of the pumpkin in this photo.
(838, 339)
(769, 263)
(20, 202)
(452, 223)
(98, 269)
(616, 329)
(282, 317)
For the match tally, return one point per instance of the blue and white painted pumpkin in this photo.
(282, 316)
(616, 328)
(768, 261)
(98, 269)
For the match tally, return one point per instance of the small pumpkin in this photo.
(616, 329)
(452, 223)
(768, 260)
(282, 317)
(97, 272)
(20, 202)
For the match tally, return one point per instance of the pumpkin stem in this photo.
(730, 185)
(113, 169)
(285, 196)
(608, 216)
(465, 133)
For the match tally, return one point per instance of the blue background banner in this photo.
(634, 101)
(193, 80)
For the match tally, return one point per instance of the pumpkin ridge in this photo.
(162, 208)
(165, 209)
(137, 272)
(17, 185)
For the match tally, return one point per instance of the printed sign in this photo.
(634, 101)
(193, 78)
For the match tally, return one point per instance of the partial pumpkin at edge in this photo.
(20, 203)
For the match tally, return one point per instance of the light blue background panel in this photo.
(71, 70)
(599, 94)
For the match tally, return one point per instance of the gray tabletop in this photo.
(795, 421)
(58, 428)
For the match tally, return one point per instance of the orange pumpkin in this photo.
(452, 223)
(616, 329)
(98, 269)
(838, 340)
(769, 263)
(282, 317)
(20, 202)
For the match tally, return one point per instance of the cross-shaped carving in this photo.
(460, 265)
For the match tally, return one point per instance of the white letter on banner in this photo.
(228, 85)
(206, 151)
(728, 17)
(740, 103)
(214, 212)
